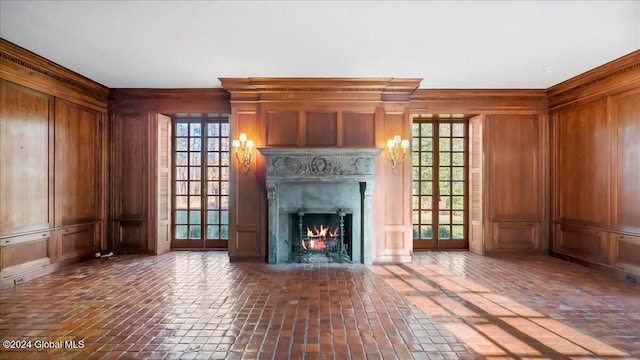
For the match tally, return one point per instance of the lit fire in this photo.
(317, 238)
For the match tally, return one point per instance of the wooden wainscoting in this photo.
(627, 252)
(516, 236)
(53, 165)
(582, 243)
(22, 253)
(596, 132)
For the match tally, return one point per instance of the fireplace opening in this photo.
(321, 237)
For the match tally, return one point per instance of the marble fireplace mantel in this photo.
(334, 174)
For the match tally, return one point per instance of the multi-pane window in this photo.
(438, 175)
(201, 185)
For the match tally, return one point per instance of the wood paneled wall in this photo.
(53, 158)
(510, 189)
(328, 112)
(596, 172)
(135, 156)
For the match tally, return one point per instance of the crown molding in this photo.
(26, 68)
(320, 89)
(479, 100)
(615, 76)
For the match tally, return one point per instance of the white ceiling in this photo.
(450, 44)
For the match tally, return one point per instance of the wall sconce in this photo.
(245, 146)
(393, 151)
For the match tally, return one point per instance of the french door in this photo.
(439, 168)
(201, 182)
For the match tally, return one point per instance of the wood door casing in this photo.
(440, 200)
(201, 160)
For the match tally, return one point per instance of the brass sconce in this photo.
(245, 147)
(393, 151)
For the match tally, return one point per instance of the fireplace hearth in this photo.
(319, 181)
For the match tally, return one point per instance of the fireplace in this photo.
(319, 181)
(321, 237)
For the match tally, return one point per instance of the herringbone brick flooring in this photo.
(444, 305)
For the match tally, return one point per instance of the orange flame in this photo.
(316, 238)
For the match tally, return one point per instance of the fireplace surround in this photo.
(325, 180)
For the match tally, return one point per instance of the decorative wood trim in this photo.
(476, 101)
(615, 76)
(26, 68)
(169, 101)
(341, 89)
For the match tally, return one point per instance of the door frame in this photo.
(435, 243)
(202, 243)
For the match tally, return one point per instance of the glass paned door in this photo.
(201, 182)
(439, 159)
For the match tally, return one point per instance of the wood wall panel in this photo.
(627, 252)
(395, 206)
(283, 128)
(582, 169)
(131, 235)
(78, 241)
(26, 148)
(392, 197)
(626, 112)
(131, 137)
(77, 163)
(595, 144)
(25, 252)
(514, 165)
(52, 163)
(321, 129)
(246, 243)
(247, 206)
(358, 129)
(583, 243)
(515, 236)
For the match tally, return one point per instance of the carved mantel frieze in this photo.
(320, 164)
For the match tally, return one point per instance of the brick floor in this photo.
(444, 305)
